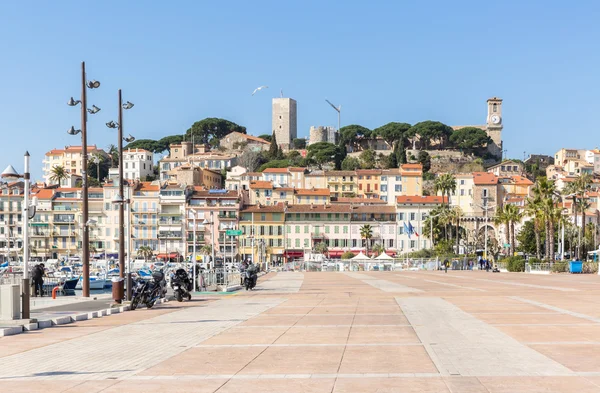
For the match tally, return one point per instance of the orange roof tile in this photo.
(368, 171)
(278, 208)
(276, 170)
(313, 208)
(481, 178)
(411, 166)
(521, 180)
(296, 169)
(421, 199)
(148, 186)
(261, 184)
(358, 200)
(313, 191)
(45, 193)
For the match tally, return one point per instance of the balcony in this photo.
(227, 217)
(144, 210)
(144, 223)
(199, 238)
(170, 235)
(170, 221)
(64, 220)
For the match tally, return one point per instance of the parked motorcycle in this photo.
(250, 277)
(182, 285)
(157, 288)
(139, 290)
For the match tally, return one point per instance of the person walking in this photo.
(446, 263)
(37, 275)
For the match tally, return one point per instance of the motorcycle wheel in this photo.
(178, 296)
(149, 305)
(247, 285)
(189, 296)
(134, 303)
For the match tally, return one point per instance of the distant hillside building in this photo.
(323, 134)
(236, 140)
(285, 121)
(493, 126)
(197, 155)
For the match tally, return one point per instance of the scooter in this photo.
(250, 278)
(182, 285)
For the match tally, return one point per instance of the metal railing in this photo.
(542, 267)
(368, 265)
(210, 280)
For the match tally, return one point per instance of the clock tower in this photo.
(494, 126)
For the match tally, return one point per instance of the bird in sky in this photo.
(259, 89)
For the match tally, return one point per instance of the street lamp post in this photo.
(93, 84)
(194, 250)
(128, 139)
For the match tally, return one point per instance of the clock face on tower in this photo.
(495, 119)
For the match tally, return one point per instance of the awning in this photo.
(39, 224)
(335, 254)
(165, 256)
(294, 253)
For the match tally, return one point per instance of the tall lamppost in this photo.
(93, 84)
(128, 139)
(118, 199)
(212, 235)
(28, 212)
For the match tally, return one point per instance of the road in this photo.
(461, 331)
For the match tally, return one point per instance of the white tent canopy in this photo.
(360, 257)
(384, 256)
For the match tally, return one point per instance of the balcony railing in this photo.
(170, 235)
(145, 210)
(66, 220)
(170, 221)
(227, 216)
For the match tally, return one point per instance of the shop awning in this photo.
(39, 224)
(294, 253)
(165, 256)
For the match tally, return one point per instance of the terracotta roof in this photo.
(256, 174)
(521, 180)
(357, 200)
(296, 169)
(148, 186)
(313, 191)
(45, 193)
(278, 208)
(202, 192)
(72, 149)
(481, 178)
(411, 166)
(387, 209)
(276, 170)
(250, 137)
(55, 152)
(66, 189)
(313, 208)
(261, 184)
(368, 171)
(403, 199)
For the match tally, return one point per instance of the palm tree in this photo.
(58, 174)
(445, 183)
(454, 216)
(534, 209)
(144, 252)
(366, 232)
(514, 215)
(577, 189)
(546, 190)
(501, 218)
(378, 249)
(582, 205)
(113, 154)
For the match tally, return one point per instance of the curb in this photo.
(63, 320)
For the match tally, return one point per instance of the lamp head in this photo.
(128, 105)
(112, 124)
(73, 131)
(94, 109)
(93, 84)
(117, 199)
(73, 102)
(129, 138)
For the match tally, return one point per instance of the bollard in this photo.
(54, 290)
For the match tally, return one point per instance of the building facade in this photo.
(69, 158)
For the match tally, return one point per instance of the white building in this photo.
(593, 158)
(137, 164)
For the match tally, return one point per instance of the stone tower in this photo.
(285, 121)
(494, 125)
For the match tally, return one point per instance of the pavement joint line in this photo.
(557, 309)
(561, 343)
(287, 376)
(456, 286)
(316, 326)
(543, 324)
(518, 284)
(308, 345)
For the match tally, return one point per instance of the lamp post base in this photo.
(25, 299)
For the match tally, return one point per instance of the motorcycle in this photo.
(182, 285)
(157, 288)
(138, 294)
(250, 278)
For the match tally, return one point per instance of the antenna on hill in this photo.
(281, 93)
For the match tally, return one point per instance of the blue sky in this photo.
(182, 61)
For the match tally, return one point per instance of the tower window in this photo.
(495, 108)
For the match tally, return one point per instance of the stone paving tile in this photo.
(289, 310)
(235, 335)
(272, 320)
(532, 333)
(206, 361)
(527, 319)
(465, 385)
(577, 357)
(36, 387)
(390, 385)
(296, 360)
(384, 359)
(170, 385)
(380, 320)
(287, 385)
(320, 319)
(315, 335)
(538, 385)
(383, 335)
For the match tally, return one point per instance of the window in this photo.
(289, 228)
(383, 178)
(494, 107)
(462, 182)
(306, 229)
(398, 178)
(383, 188)
(485, 192)
(412, 216)
(288, 243)
(305, 243)
(462, 192)
(400, 216)
(360, 186)
(297, 243)
(345, 228)
(263, 217)
(327, 229)
(412, 244)
(398, 188)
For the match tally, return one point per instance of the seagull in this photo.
(259, 89)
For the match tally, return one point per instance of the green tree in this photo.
(424, 159)
(146, 144)
(113, 155)
(351, 133)
(528, 241)
(445, 183)
(470, 139)
(366, 233)
(368, 159)
(546, 190)
(294, 157)
(350, 163)
(266, 137)
(392, 132)
(97, 169)
(378, 249)
(429, 131)
(324, 152)
(299, 143)
(212, 127)
(400, 153)
(274, 148)
(275, 164)
(164, 144)
(534, 209)
(58, 173)
(144, 252)
(348, 255)
(321, 248)
(577, 189)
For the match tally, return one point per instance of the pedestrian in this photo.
(446, 263)
(37, 275)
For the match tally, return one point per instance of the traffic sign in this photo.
(233, 232)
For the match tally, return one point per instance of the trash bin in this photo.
(575, 266)
(117, 289)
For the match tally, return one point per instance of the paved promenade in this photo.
(464, 331)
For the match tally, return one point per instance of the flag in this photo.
(406, 230)
(412, 229)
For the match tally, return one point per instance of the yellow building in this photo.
(341, 183)
(368, 183)
(69, 158)
(412, 179)
(262, 238)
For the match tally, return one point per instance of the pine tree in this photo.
(400, 152)
(393, 158)
(274, 148)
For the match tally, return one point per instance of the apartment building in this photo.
(144, 211)
(340, 183)
(368, 183)
(171, 229)
(285, 177)
(198, 155)
(190, 175)
(263, 236)
(11, 216)
(69, 158)
(412, 211)
(137, 164)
